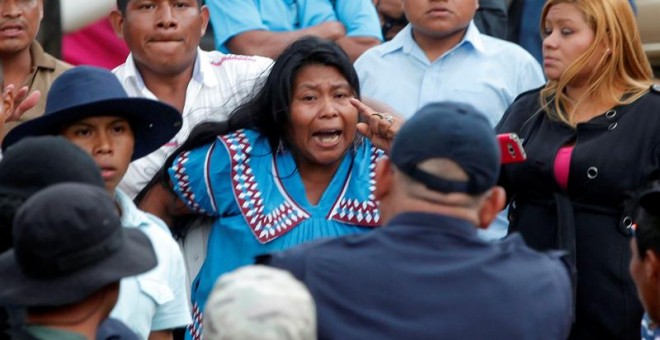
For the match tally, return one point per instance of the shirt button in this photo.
(612, 126)
(592, 172)
(627, 222)
(610, 114)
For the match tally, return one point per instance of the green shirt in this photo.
(47, 333)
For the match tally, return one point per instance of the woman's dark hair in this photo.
(268, 111)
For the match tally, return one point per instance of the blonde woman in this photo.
(592, 134)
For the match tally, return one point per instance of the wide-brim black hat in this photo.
(30, 166)
(86, 91)
(68, 244)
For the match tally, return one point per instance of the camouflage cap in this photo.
(259, 302)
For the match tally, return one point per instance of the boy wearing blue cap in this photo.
(89, 107)
(426, 274)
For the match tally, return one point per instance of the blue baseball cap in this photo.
(453, 131)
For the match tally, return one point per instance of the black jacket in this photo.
(614, 154)
(491, 18)
(429, 276)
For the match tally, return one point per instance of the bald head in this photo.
(399, 193)
(441, 168)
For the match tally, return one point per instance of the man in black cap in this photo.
(70, 252)
(426, 274)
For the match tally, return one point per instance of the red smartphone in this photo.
(511, 148)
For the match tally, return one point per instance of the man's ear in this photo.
(651, 265)
(117, 21)
(383, 178)
(493, 203)
(204, 15)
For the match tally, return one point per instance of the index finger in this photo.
(363, 109)
(21, 94)
(28, 103)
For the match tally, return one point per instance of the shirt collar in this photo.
(401, 40)
(130, 216)
(132, 73)
(404, 40)
(202, 71)
(439, 223)
(473, 37)
(39, 58)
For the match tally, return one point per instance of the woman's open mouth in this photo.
(327, 137)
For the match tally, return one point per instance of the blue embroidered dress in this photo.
(260, 202)
(650, 331)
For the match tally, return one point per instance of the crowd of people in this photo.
(334, 171)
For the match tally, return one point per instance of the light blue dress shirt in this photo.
(486, 72)
(232, 17)
(483, 71)
(155, 300)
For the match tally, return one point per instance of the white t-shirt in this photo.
(219, 84)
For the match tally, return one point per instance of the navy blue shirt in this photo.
(112, 329)
(428, 276)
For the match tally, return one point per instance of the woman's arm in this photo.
(160, 201)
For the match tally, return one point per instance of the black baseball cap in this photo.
(453, 131)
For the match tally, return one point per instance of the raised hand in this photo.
(379, 127)
(16, 103)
